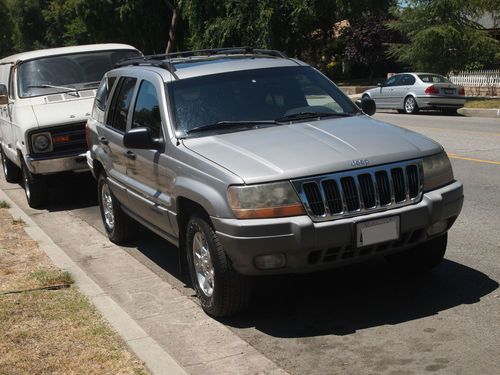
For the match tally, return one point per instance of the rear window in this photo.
(433, 78)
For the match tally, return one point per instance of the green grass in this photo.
(483, 103)
(4, 204)
(52, 277)
(18, 221)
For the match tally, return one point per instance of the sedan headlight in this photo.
(264, 201)
(437, 171)
(41, 142)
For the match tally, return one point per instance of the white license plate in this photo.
(377, 231)
(449, 91)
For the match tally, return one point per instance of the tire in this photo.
(421, 258)
(118, 225)
(410, 105)
(35, 188)
(11, 172)
(225, 291)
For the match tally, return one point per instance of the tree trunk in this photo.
(176, 14)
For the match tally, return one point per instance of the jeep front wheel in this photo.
(118, 225)
(221, 290)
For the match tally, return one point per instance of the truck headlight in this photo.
(264, 201)
(437, 171)
(41, 142)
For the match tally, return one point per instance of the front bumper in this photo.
(53, 164)
(311, 246)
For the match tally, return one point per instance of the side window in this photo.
(391, 81)
(407, 80)
(147, 109)
(102, 95)
(120, 104)
(11, 83)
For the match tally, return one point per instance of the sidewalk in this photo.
(164, 328)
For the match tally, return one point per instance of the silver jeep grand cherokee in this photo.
(253, 163)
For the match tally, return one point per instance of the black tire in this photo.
(11, 172)
(420, 258)
(231, 291)
(119, 226)
(35, 188)
(410, 105)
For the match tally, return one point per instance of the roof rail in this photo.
(162, 60)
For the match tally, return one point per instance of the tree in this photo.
(5, 30)
(176, 14)
(442, 35)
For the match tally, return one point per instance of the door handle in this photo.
(129, 154)
(103, 140)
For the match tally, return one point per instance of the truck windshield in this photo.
(242, 98)
(65, 73)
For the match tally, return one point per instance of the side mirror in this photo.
(4, 96)
(141, 138)
(368, 106)
(380, 84)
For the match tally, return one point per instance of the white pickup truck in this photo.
(46, 97)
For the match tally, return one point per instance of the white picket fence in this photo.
(477, 78)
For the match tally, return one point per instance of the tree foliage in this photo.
(442, 35)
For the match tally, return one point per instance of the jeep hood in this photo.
(66, 112)
(310, 148)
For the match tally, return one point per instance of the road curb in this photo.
(155, 358)
(480, 112)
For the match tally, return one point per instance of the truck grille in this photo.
(66, 139)
(361, 191)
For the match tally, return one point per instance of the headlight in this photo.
(437, 171)
(264, 201)
(41, 142)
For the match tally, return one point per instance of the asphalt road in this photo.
(365, 319)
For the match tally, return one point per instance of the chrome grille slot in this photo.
(350, 193)
(332, 196)
(314, 198)
(361, 191)
(367, 190)
(398, 182)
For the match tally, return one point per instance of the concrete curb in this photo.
(480, 112)
(156, 359)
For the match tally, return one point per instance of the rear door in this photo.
(403, 87)
(110, 136)
(150, 187)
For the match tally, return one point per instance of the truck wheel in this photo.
(11, 171)
(221, 290)
(118, 225)
(35, 188)
(410, 105)
(422, 257)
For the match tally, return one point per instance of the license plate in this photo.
(377, 231)
(449, 91)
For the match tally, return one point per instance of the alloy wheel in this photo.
(203, 264)
(107, 207)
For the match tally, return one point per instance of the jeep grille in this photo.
(361, 191)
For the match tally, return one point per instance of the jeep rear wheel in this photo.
(35, 188)
(420, 258)
(11, 172)
(221, 290)
(118, 225)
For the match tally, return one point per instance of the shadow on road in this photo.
(422, 112)
(71, 191)
(342, 301)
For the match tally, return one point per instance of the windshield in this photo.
(260, 95)
(433, 78)
(49, 75)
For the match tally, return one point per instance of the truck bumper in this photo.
(50, 165)
(309, 246)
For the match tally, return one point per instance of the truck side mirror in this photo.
(368, 106)
(4, 96)
(141, 138)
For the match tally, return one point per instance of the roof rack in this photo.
(163, 60)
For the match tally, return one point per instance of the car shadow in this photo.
(71, 191)
(346, 300)
(422, 113)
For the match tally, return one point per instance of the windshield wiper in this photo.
(47, 86)
(227, 124)
(309, 115)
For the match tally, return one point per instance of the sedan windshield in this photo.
(260, 97)
(67, 73)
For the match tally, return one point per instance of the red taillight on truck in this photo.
(432, 90)
(461, 91)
